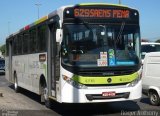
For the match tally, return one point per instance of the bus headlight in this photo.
(73, 83)
(134, 82)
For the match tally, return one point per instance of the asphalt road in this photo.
(27, 103)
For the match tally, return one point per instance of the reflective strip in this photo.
(105, 80)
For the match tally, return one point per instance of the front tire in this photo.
(44, 96)
(154, 98)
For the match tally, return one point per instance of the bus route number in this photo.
(101, 62)
(101, 13)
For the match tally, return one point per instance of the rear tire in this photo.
(16, 87)
(154, 98)
(48, 103)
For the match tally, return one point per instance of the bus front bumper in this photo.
(70, 94)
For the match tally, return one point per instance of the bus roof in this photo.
(101, 4)
(61, 9)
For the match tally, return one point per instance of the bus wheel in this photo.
(154, 98)
(16, 88)
(44, 96)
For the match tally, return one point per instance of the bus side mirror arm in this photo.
(59, 35)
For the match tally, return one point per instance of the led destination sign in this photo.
(101, 13)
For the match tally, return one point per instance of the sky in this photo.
(15, 14)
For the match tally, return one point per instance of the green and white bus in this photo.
(85, 53)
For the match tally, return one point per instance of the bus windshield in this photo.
(97, 45)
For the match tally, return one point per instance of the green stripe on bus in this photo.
(101, 4)
(41, 20)
(103, 80)
(45, 69)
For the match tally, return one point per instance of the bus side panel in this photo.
(19, 68)
(36, 69)
(29, 69)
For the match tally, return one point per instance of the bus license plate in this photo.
(109, 94)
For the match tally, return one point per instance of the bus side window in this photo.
(19, 44)
(42, 38)
(25, 42)
(7, 48)
(33, 41)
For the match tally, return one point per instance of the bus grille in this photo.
(106, 73)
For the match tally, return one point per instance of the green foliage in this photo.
(3, 49)
(158, 41)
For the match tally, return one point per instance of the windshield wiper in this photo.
(86, 24)
(120, 32)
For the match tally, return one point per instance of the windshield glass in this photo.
(149, 48)
(2, 62)
(89, 45)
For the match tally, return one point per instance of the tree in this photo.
(144, 40)
(3, 49)
(157, 41)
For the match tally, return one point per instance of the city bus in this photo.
(83, 53)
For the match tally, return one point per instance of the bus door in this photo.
(10, 60)
(54, 60)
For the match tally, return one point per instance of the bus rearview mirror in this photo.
(59, 35)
